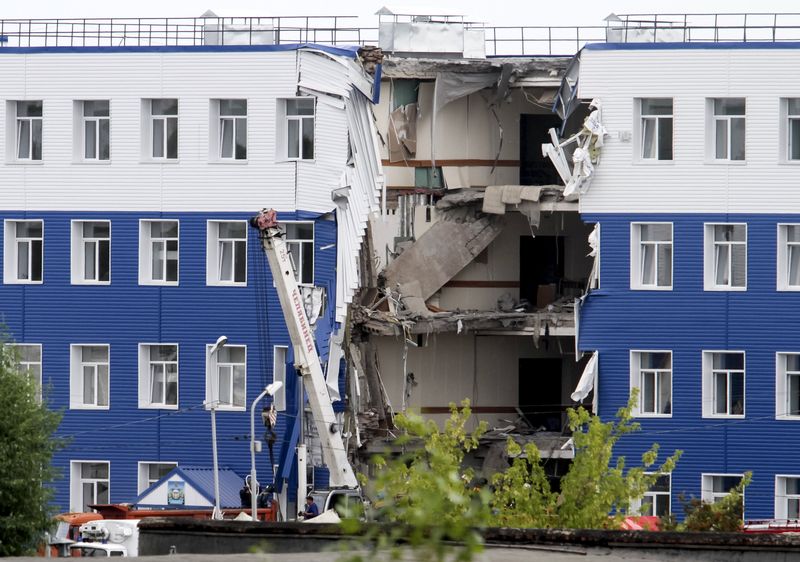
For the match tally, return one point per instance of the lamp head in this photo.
(221, 341)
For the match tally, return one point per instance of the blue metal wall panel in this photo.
(761, 321)
(124, 314)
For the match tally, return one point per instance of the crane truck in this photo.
(306, 359)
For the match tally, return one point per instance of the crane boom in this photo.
(305, 351)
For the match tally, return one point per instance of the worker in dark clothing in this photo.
(311, 509)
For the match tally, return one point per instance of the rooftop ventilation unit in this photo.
(431, 35)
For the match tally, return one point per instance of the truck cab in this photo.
(97, 550)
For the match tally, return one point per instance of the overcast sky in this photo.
(493, 12)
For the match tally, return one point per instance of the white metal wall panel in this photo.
(128, 182)
(690, 183)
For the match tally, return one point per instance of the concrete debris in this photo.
(403, 133)
(439, 254)
(546, 71)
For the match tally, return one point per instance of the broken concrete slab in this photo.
(439, 254)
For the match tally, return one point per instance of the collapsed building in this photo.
(472, 267)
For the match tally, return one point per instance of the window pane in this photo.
(648, 138)
(90, 138)
(307, 274)
(724, 484)
(794, 139)
(792, 233)
(23, 260)
(226, 138)
(158, 138)
(730, 232)
(236, 354)
(95, 108)
(729, 106)
(96, 229)
(737, 139)
(29, 353)
(88, 495)
(172, 260)
(102, 493)
(158, 258)
(657, 106)
(94, 470)
(164, 229)
(163, 353)
(29, 109)
(89, 258)
(237, 230)
(240, 262)
(233, 107)
(793, 508)
(225, 378)
(656, 361)
(226, 261)
(164, 107)
(172, 384)
(301, 106)
(102, 385)
(172, 138)
(300, 230)
(722, 265)
(721, 142)
(739, 265)
(238, 386)
(733, 361)
(793, 362)
(241, 139)
(656, 232)
(23, 138)
(665, 393)
(36, 139)
(720, 393)
(661, 484)
(737, 393)
(664, 265)
(88, 384)
(793, 397)
(662, 505)
(104, 261)
(648, 275)
(665, 138)
(28, 229)
(157, 383)
(647, 509)
(793, 106)
(793, 486)
(308, 139)
(105, 139)
(648, 392)
(293, 129)
(36, 260)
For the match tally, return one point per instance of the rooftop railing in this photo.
(344, 30)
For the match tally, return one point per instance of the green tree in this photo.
(26, 448)
(594, 493)
(725, 515)
(425, 499)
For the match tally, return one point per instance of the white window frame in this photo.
(640, 129)
(283, 128)
(213, 247)
(218, 127)
(710, 262)
(144, 378)
(76, 482)
(707, 493)
(785, 126)
(782, 386)
(636, 382)
(78, 253)
(637, 257)
(636, 504)
(712, 120)
(782, 497)
(76, 377)
(709, 389)
(213, 365)
(783, 255)
(18, 120)
(297, 261)
(146, 253)
(280, 353)
(148, 131)
(10, 249)
(84, 121)
(143, 481)
(25, 366)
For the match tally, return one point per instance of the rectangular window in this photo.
(716, 486)
(788, 257)
(91, 252)
(279, 354)
(164, 129)
(89, 376)
(723, 384)
(725, 257)
(90, 484)
(656, 129)
(23, 251)
(728, 126)
(787, 497)
(226, 260)
(158, 252)
(299, 128)
(656, 501)
(792, 128)
(29, 362)
(158, 376)
(787, 385)
(29, 130)
(227, 370)
(152, 472)
(233, 129)
(96, 118)
(651, 373)
(300, 243)
(651, 256)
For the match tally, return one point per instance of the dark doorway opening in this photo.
(541, 263)
(535, 169)
(540, 392)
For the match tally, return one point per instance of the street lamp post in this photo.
(217, 513)
(270, 390)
